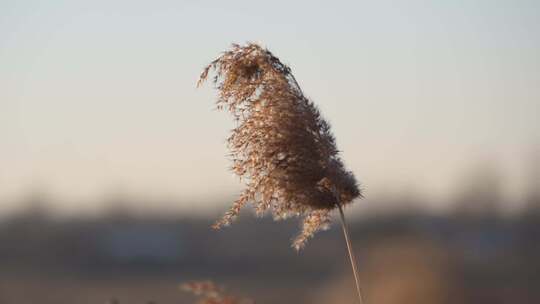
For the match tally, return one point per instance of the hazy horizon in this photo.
(99, 98)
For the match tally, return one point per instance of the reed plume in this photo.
(210, 293)
(281, 146)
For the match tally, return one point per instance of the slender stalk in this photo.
(351, 253)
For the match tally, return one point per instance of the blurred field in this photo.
(408, 257)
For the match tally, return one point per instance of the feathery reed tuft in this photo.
(281, 147)
(210, 293)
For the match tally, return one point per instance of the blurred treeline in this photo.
(472, 254)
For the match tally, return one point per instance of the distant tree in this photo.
(532, 184)
(480, 191)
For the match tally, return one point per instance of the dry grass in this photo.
(210, 293)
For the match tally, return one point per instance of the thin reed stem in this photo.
(351, 253)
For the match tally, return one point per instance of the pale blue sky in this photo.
(98, 97)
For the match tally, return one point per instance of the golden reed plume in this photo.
(282, 148)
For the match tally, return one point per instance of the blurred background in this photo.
(113, 165)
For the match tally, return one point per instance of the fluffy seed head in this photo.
(281, 146)
(210, 293)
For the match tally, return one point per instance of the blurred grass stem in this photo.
(351, 253)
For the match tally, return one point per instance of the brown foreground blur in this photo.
(466, 256)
